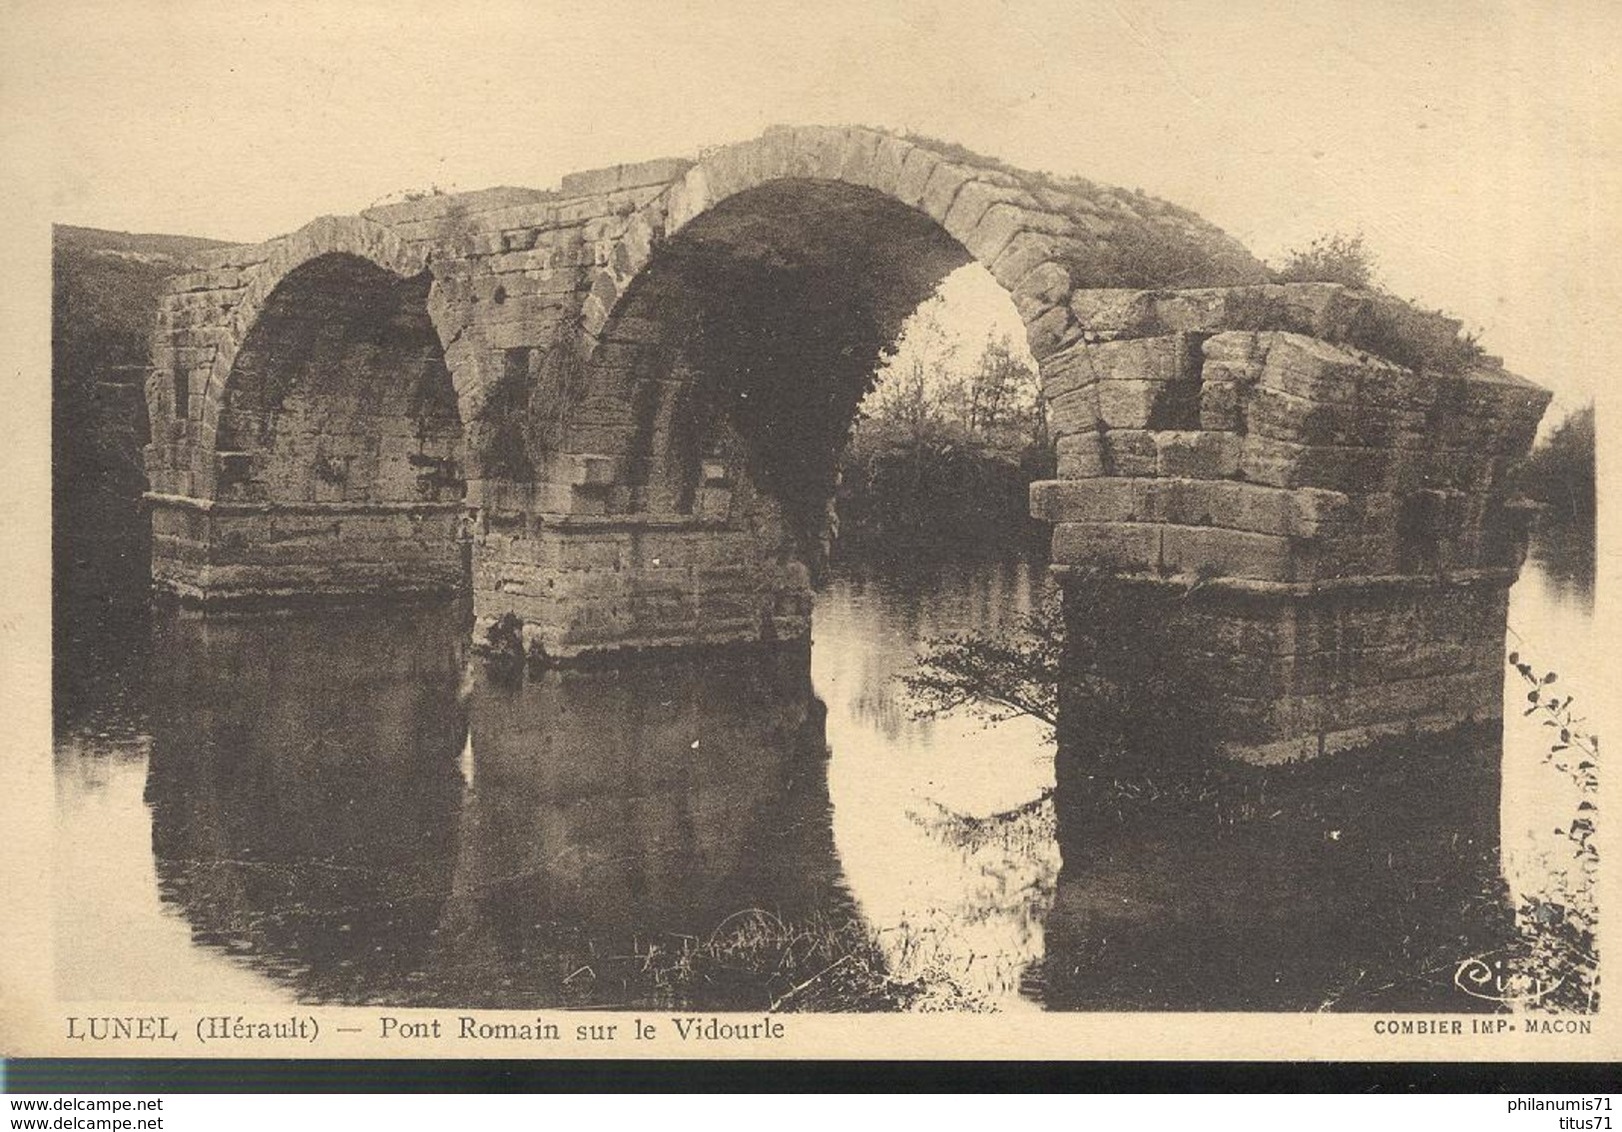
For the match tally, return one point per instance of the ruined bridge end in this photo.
(1330, 534)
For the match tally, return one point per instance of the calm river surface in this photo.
(342, 809)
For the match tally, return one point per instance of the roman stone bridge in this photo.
(629, 395)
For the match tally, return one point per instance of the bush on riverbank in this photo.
(941, 458)
(1560, 472)
(1425, 341)
(941, 499)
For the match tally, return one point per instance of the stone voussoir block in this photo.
(818, 152)
(1075, 411)
(1050, 331)
(998, 222)
(1068, 369)
(1024, 254)
(1042, 289)
(941, 191)
(889, 158)
(917, 167)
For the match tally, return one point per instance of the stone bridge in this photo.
(629, 395)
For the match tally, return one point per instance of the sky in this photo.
(1474, 145)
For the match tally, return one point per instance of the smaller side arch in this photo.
(207, 314)
(328, 235)
(311, 442)
(340, 392)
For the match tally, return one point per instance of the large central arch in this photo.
(748, 339)
(720, 390)
(1304, 488)
(729, 329)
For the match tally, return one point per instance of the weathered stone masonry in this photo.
(628, 394)
(1334, 528)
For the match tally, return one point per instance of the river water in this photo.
(343, 809)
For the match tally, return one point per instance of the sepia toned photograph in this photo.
(745, 520)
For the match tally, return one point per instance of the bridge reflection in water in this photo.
(344, 810)
(320, 806)
(305, 793)
(1359, 887)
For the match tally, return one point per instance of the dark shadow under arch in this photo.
(744, 346)
(340, 393)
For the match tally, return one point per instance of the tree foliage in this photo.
(946, 446)
(1128, 701)
(999, 675)
(1559, 923)
(1560, 472)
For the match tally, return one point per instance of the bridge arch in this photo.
(1039, 236)
(801, 252)
(322, 443)
(331, 238)
(338, 391)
